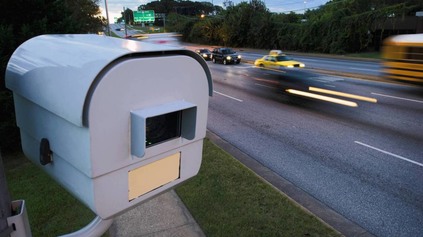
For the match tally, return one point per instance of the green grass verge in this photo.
(228, 199)
(225, 198)
(52, 211)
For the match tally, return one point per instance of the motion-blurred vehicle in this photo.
(225, 56)
(275, 52)
(277, 62)
(205, 53)
(171, 39)
(403, 58)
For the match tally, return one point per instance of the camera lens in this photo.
(162, 128)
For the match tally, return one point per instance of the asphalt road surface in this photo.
(339, 64)
(364, 162)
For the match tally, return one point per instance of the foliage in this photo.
(338, 27)
(22, 20)
(187, 8)
(128, 15)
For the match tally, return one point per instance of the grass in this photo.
(225, 198)
(52, 211)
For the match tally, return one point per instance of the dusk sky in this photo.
(283, 6)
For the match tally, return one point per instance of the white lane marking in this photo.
(230, 97)
(389, 153)
(361, 69)
(330, 85)
(328, 79)
(400, 98)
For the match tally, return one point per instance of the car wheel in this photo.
(225, 62)
(214, 60)
(261, 65)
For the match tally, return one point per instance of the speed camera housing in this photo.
(114, 121)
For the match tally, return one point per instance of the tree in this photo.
(186, 8)
(128, 15)
(22, 20)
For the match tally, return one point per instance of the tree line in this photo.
(339, 26)
(184, 8)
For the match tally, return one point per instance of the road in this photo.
(364, 162)
(119, 30)
(339, 64)
(360, 155)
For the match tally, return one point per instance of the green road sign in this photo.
(144, 16)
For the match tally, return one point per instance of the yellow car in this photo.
(277, 61)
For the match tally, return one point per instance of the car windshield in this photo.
(227, 51)
(204, 51)
(283, 58)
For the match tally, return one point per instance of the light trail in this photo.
(322, 97)
(347, 95)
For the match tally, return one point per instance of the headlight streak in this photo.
(337, 93)
(322, 97)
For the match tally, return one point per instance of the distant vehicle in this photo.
(118, 29)
(205, 53)
(277, 61)
(403, 58)
(275, 52)
(171, 39)
(225, 56)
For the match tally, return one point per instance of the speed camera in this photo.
(114, 121)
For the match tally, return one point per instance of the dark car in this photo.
(225, 56)
(205, 53)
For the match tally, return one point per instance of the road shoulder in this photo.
(300, 197)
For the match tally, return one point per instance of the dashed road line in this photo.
(389, 153)
(228, 96)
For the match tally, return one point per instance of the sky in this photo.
(281, 6)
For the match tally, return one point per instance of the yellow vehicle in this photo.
(403, 58)
(277, 62)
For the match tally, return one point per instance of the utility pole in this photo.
(164, 22)
(5, 202)
(107, 17)
(124, 20)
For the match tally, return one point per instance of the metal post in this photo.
(164, 22)
(124, 19)
(107, 17)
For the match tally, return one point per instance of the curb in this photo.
(324, 213)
